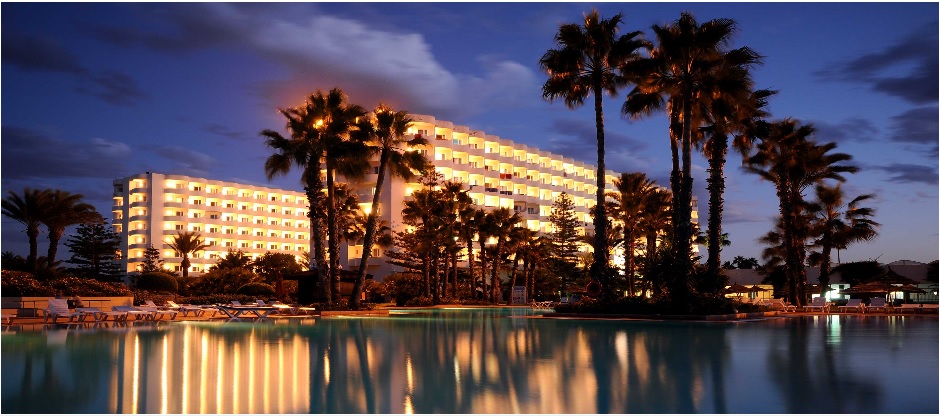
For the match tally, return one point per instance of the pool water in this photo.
(478, 361)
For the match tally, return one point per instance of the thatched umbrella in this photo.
(737, 288)
(891, 277)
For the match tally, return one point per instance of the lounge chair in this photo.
(908, 308)
(135, 312)
(818, 303)
(855, 304)
(100, 316)
(878, 303)
(777, 304)
(196, 311)
(158, 313)
(58, 308)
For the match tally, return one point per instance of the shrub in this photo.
(221, 281)
(157, 282)
(74, 286)
(403, 287)
(23, 284)
(257, 289)
(420, 301)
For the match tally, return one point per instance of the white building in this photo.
(151, 207)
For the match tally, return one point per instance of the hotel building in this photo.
(497, 173)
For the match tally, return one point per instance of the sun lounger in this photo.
(855, 304)
(100, 316)
(777, 304)
(58, 308)
(196, 311)
(133, 311)
(878, 304)
(158, 313)
(818, 304)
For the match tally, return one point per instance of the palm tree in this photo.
(788, 159)
(500, 225)
(28, 210)
(386, 131)
(186, 243)
(838, 224)
(587, 62)
(685, 66)
(519, 243)
(656, 218)
(65, 209)
(303, 149)
(628, 207)
(344, 155)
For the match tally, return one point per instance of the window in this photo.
(259, 221)
(212, 243)
(229, 231)
(273, 246)
(244, 232)
(259, 245)
(286, 247)
(214, 216)
(229, 244)
(229, 205)
(272, 235)
(213, 204)
(259, 233)
(213, 230)
(179, 226)
(179, 213)
(244, 245)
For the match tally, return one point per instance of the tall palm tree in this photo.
(628, 207)
(837, 224)
(683, 74)
(28, 210)
(519, 243)
(344, 155)
(385, 132)
(303, 149)
(65, 209)
(791, 161)
(186, 243)
(500, 225)
(587, 62)
(656, 218)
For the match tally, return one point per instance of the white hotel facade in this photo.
(150, 208)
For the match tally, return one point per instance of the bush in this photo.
(75, 286)
(403, 287)
(157, 282)
(23, 284)
(420, 301)
(257, 289)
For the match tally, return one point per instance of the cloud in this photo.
(851, 129)
(225, 131)
(35, 53)
(577, 139)
(908, 173)
(918, 126)
(113, 87)
(28, 154)
(187, 161)
(905, 69)
(372, 64)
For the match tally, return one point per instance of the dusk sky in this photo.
(96, 92)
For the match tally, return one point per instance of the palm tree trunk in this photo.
(675, 178)
(472, 267)
(630, 267)
(54, 236)
(33, 234)
(332, 231)
(824, 270)
(370, 225)
(494, 279)
(314, 196)
(600, 250)
(185, 265)
(716, 204)
(514, 274)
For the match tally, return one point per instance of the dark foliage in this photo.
(157, 282)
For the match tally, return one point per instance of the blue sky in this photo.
(95, 92)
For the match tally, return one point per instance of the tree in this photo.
(304, 149)
(787, 158)
(273, 266)
(837, 224)
(932, 271)
(587, 62)
(656, 219)
(685, 67)
(65, 209)
(564, 236)
(186, 243)
(234, 259)
(95, 250)
(28, 209)
(385, 132)
(500, 224)
(151, 261)
(741, 262)
(628, 207)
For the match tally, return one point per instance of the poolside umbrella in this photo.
(892, 278)
(737, 288)
(868, 288)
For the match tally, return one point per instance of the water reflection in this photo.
(477, 361)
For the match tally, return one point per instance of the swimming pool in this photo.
(479, 361)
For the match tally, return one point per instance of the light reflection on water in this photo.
(479, 361)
